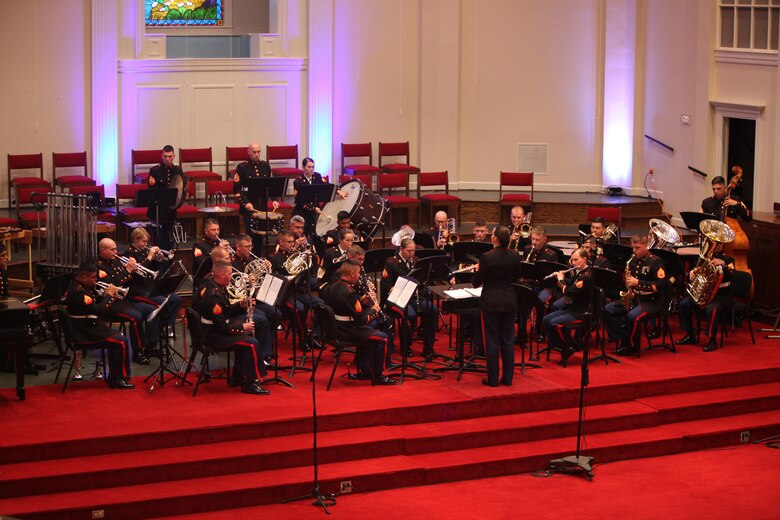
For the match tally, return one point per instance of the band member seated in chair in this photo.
(352, 320)
(516, 240)
(537, 251)
(346, 238)
(87, 309)
(140, 287)
(577, 289)
(595, 259)
(421, 304)
(598, 230)
(252, 168)
(344, 222)
(202, 248)
(480, 231)
(497, 271)
(226, 327)
(112, 271)
(647, 288)
(713, 311)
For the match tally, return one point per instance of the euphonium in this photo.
(628, 295)
(398, 236)
(297, 262)
(101, 287)
(705, 277)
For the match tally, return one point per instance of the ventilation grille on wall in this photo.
(532, 157)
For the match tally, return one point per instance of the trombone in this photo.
(448, 232)
(141, 270)
(523, 231)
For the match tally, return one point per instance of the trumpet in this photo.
(121, 292)
(161, 254)
(141, 270)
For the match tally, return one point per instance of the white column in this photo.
(320, 100)
(105, 94)
(619, 38)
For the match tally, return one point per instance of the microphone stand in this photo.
(320, 500)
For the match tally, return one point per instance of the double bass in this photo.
(739, 248)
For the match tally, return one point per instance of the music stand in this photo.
(545, 269)
(424, 240)
(432, 267)
(470, 252)
(375, 259)
(164, 286)
(428, 253)
(261, 190)
(53, 291)
(271, 293)
(157, 198)
(617, 254)
(398, 305)
(692, 219)
(526, 297)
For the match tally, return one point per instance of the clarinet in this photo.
(368, 287)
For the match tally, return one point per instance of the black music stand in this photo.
(470, 252)
(526, 297)
(692, 219)
(314, 194)
(424, 240)
(375, 259)
(166, 285)
(53, 291)
(529, 274)
(428, 253)
(461, 307)
(161, 203)
(545, 269)
(261, 190)
(429, 268)
(618, 255)
(398, 310)
(610, 282)
(273, 296)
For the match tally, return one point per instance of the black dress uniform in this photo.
(222, 323)
(723, 300)
(201, 252)
(577, 291)
(141, 288)
(86, 308)
(135, 313)
(650, 299)
(546, 254)
(244, 171)
(714, 206)
(352, 322)
(3, 283)
(496, 272)
(160, 176)
(423, 306)
(307, 210)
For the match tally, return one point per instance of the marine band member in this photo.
(202, 249)
(439, 230)
(161, 176)
(723, 300)
(252, 168)
(401, 264)
(309, 210)
(498, 270)
(352, 320)
(480, 231)
(714, 205)
(516, 240)
(577, 290)
(226, 327)
(344, 222)
(595, 259)
(646, 278)
(538, 251)
(88, 309)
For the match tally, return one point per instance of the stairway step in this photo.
(101, 471)
(263, 487)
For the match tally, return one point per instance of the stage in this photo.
(134, 455)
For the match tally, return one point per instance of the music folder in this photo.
(272, 289)
(402, 291)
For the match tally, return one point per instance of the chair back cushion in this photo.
(610, 214)
(25, 162)
(25, 195)
(128, 191)
(392, 180)
(282, 153)
(433, 179)
(357, 150)
(69, 160)
(517, 179)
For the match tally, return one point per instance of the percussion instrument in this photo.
(366, 210)
(179, 182)
(266, 221)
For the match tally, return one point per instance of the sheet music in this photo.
(458, 294)
(402, 292)
(475, 292)
(157, 311)
(269, 289)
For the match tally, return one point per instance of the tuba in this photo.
(662, 235)
(705, 277)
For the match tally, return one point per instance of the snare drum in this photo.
(366, 210)
(263, 222)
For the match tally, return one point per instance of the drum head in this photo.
(327, 219)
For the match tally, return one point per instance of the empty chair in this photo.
(396, 150)
(386, 183)
(145, 158)
(36, 216)
(287, 153)
(429, 201)
(197, 155)
(362, 171)
(27, 162)
(70, 160)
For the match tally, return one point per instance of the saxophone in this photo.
(628, 295)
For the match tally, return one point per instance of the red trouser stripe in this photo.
(112, 339)
(714, 317)
(134, 326)
(636, 324)
(254, 357)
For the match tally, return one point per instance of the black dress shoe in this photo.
(254, 388)
(504, 383)
(711, 346)
(688, 339)
(140, 359)
(359, 376)
(385, 381)
(121, 384)
(488, 383)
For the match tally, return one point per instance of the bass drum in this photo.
(366, 209)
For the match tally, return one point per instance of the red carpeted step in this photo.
(714, 403)
(136, 467)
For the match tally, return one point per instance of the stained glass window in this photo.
(173, 13)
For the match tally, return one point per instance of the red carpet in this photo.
(143, 455)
